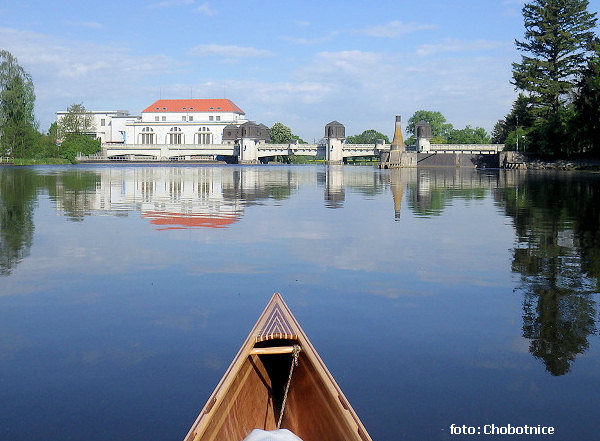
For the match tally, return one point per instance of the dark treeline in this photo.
(557, 111)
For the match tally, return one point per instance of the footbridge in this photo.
(246, 151)
(246, 146)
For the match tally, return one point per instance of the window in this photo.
(190, 118)
(156, 118)
(164, 118)
(147, 135)
(183, 118)
(203, 136)
(210, 118)
(175, 136)
(102, 122)
(218, 118)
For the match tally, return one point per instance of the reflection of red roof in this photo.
(173, 221)
(200, 105)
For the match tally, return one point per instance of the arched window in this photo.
(203, 136)
(175, 136)
(147, 135)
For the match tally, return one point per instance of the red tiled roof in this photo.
(199, 105)
(172, 221)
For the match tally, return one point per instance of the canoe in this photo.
(264, 388)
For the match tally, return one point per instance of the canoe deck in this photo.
(251, 393)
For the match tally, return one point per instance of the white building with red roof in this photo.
(184, 122)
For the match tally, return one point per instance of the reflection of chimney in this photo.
(398, 142)
(397, 187)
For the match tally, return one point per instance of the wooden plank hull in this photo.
(251, 393)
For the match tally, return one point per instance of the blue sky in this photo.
(302, 63)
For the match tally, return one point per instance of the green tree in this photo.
(47, 146)
(439, 127)
(74, 144)
(558, 34)
(17, 98)
(468, 135)
(587, 106)
(520, 117)
(297, 138)
(499, 132)
(280, 134)
(77, 121)
(367, 137)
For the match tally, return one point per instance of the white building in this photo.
(108, 125)
(167, 122)
(184, 122)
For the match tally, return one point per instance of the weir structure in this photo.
(249, 145)
(425, 154)
(245, 147)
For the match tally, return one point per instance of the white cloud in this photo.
(170, 4)
(395, 28)
(85, 24)
(457, 45)
(206, 9)
(67, 71)
(229, 51)
(311, 41)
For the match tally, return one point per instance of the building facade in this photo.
(108, 125)
(184, 122)
(167, 122)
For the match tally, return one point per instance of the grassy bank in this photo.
(36, 161)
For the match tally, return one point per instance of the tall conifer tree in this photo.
(587, 105)
(558, 35)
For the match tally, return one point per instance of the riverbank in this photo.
(531, 162)
(536, 162)
(33, 161)
(565, 164)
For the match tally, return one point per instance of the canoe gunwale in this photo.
(315, 373)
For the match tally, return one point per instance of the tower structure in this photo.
(424, 134)
(335, 133)
(398, 141)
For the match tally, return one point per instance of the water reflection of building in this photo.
(169, 197)
(429, 191)
(334, 187)
(177, 197)
(399, 179)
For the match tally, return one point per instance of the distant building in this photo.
(108, 125)
(184, 121)
(168, 122)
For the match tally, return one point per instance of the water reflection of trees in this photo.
(73, 192)
(17, 201)
(557, 221)
(19, 188)
(430, 191)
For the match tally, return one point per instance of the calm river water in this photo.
(435, 297)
